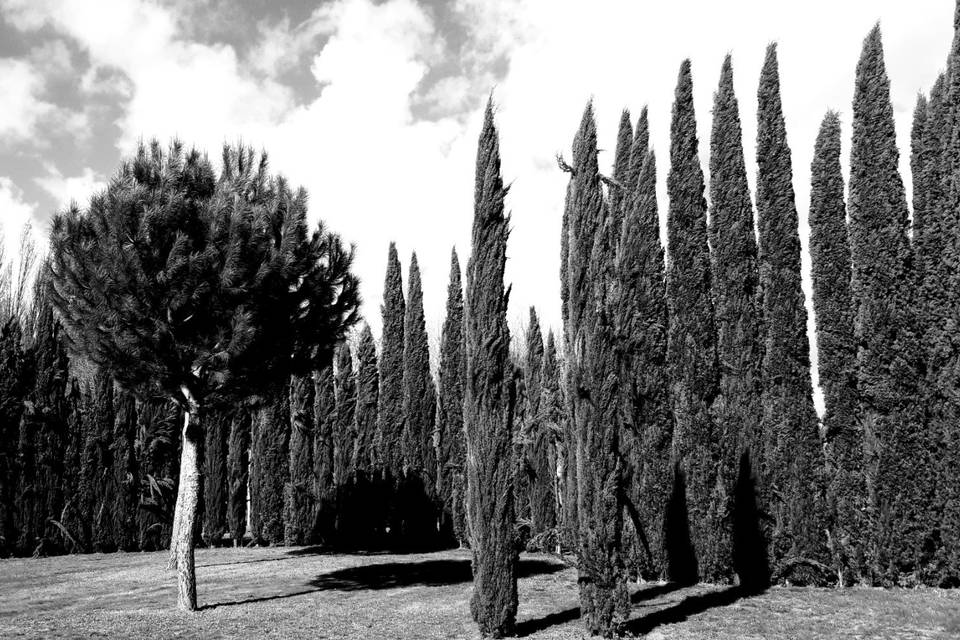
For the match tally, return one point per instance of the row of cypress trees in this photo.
(688, 391)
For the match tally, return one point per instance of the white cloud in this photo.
(21, 108)
(67, 189)
(15, 212)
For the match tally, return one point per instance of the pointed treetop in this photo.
(620, 193)
(638, 152)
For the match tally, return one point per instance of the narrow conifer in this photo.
(541, 452)
(897, 470)
(736, 283)
(487, 410)
(939, 266)
(390, 407)
(324, 453)
(643, 324)
(692, 343)
(238, 467)
(836, 351)
(298, 492)
(793, 455)
(271, 454)
(450, 465)
(368, 392)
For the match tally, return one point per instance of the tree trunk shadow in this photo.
(529, 627)
(689, 606)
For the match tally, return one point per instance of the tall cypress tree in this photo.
(126, 472)
(71, 518)
(368, 393)
(487, 411)
(368, 493)
(390, 417)
(14, 386)
(837, 351)
(942, 291)
(298, 496)
(643, 324)
(692, 343)
(542, 454)
(568, 459)
(345, 389)
(604, 599)
(324, 453)
(418, 406)
(622, 165)
(103, 484)
(793, 458)
(552, 415)
(215, 477)
(450, 471)
(419, 413)
(271, 463)
(238, 467)
(736, 283)
(896, 466)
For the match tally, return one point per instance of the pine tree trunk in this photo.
(185, 515)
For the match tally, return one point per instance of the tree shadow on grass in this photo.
(395, 575)
(529, 627)
(689, 606)
(429, 573)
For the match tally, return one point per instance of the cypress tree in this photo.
(419, 413)
(450, 452)
(126, 472)
(638, 155)
(238, 466)
(271, 468)
(104, 485)
(345, 390)
(298, 499)
(487, 410)
(896, 466)
(691, 344)
(157, 449)
(71, 517)
(643, 325)
(736, 283)
(568, 459)
(622, 166)
(837, 351)
(552, 415)
(368, 393)
(215, 478)
(792, 452)
(604, 599)
(369, 494)
(42, 437)
(418, 394)
(390, 417)
(324, 460)
(14, 386)
(542, 452)
(941, 291)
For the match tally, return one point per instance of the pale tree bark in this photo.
(185, 513)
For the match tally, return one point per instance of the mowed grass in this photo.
(303, 593)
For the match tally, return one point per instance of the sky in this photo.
(375, 106)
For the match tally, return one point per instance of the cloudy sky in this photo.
(375, 106)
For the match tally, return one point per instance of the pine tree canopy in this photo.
(174, 278)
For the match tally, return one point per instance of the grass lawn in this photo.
(297, 592)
